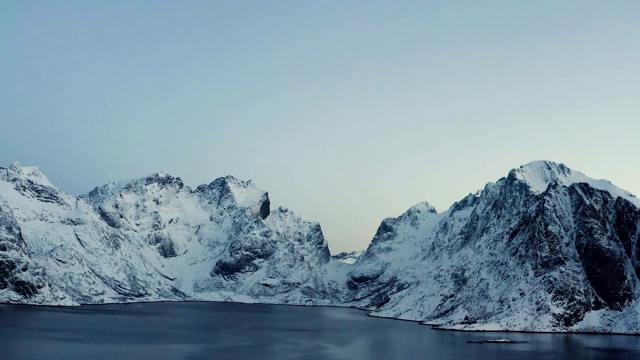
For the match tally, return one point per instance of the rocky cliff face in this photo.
(348, 257)
(21, 280)
(543, 249)
(156, 239)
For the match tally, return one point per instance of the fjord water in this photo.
(242, 331)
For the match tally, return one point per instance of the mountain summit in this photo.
(540, 174)
(544, 249)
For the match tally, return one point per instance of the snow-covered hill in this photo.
(156, 239)
(543, 249)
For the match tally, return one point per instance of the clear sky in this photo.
(347, 112)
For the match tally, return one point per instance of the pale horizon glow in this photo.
(345, 112)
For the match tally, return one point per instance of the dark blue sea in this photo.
(240, 331)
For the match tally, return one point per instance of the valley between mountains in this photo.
(544, 248)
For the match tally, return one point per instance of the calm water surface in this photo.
(239, 331)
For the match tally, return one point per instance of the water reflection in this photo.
(239, 331)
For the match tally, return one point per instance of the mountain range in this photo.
(545, 248)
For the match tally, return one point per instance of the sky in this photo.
(347, 112)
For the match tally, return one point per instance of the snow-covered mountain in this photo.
(20, 278)
(156, 239)
(543, 249)
(348, 257)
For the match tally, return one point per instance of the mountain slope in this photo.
(156, 239)
(21, 280)
(544, 249)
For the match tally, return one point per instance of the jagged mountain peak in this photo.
(540, 174)
(30, 184)
(152, 185)
(422, 207)
(242, 193)
(546, 165)
(153, 238)
(545, 248)
(232, 183)
(33, 173)
(163, 179)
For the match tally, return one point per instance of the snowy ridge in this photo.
(32, 173)
(539, 174)
(544, 249)
(156, 239)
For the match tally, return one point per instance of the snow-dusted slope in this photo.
(21, 280)
(348, 257)
(544, 249)
(156, 239)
